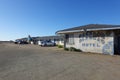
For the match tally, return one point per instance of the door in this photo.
(117, 45)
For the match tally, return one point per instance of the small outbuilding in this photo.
(59, 40)
(95, 38)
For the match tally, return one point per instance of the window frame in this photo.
(70, 39)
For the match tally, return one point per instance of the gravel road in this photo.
(32, 62)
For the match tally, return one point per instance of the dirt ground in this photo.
(32, 62)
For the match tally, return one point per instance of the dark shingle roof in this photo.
(90, 26)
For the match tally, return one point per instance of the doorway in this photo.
(117, 45)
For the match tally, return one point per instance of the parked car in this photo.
(39, 43)
(20, 42)
(16, 41)
(47, 43)
(24, 42)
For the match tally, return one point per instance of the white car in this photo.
(47, 43)
(39, 43)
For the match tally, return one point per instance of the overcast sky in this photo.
(20, 18)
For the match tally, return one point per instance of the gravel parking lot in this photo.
(32, 62)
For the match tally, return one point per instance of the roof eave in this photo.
(75, 31)
(72, 31)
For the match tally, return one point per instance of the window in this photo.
(62, 41)
(70, 39)
(81, 37)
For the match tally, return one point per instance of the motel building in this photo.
(94, 38)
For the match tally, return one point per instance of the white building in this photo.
(94, 38)
(59, 40)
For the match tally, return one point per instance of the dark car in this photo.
(20, 42)
(16, 41)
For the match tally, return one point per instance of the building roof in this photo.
(90, 27)
(43, 38)
(49, 38)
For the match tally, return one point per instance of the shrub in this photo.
(74, 49)
(78, 50)
(60, 46)
(71, 49)
(66, 49)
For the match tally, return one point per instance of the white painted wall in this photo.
(61, 42)
(96, 44)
